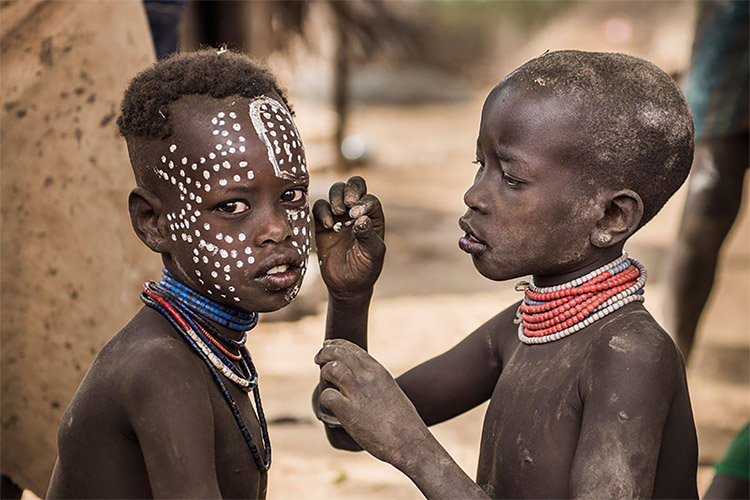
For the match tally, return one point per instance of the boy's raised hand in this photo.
(350, 259)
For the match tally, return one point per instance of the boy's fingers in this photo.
(355, 189)
(336, 197)
(323, 214)
(336, 373)
(371, 244)
(368, 205)
(332, 402)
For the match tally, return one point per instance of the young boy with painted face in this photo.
(587, 394)
(165, 410)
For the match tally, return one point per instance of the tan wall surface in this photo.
(70, 265)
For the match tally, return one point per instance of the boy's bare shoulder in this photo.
(502, 329)
(145, 356)
(630, 345)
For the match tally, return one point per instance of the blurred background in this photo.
(388, 90)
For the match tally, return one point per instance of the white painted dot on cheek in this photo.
(228, 239)
(240, 263)
(237, 178)
(214, 120)
(243, 164)
(250, 174)
(236, 127)
(212, 155)
(207, 187)
(227, 268)
(216, 132)
(206, 175)
(205, 259)
(242, 139)
(250, 259)
(221, 114)
(198, 199)
(241, 236)
(218, 147)
(173, 148)
(233, 253)
(216, 167)
(248, 250)
(164, 159)
(224, 254)
(224, 133)
(220, 236)
(226, 164)
(206, 226)
(222, 182)
(242, 149)
(233, 115)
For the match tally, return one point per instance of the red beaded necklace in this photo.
(547, 314)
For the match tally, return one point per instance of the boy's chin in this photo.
(495, 271)
(270, 302)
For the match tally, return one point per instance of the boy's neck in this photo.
(232, 334)
(602, 258)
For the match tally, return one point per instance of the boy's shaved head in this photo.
(145, 110)
(635, 129)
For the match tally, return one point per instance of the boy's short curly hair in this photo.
(145, 105)
(638, 129)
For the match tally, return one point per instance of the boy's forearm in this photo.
(347, 317)
(437, 475)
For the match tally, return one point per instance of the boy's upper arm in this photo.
(630, 377)
(168, 405)
(461, 378)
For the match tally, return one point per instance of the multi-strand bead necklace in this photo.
(190, 314)
(551, 313)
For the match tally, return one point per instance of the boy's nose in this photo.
(475, 198)
(274, 230)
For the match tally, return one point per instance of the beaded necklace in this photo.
(551, 313)
(188, 312)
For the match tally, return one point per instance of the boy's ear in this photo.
(621, 218)
(149, 220)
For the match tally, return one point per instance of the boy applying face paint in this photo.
(587, 394)
(165, 409)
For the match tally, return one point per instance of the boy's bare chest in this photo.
(532, 423)
(236, 470)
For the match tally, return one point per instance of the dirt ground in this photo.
(430, 296)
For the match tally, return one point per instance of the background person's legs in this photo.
(713, 201)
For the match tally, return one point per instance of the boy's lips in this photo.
(470, 242)
(279, 272)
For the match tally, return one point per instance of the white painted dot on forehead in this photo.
(250, 174)
(241, 139)
(243, 164)
(216, 167)
(250, 259)
(241, 236)
(248, 250)
(214, 120)
(163, 159)
(237, 178)
(226, 164)
(232, 115)
(212, 155)
(173, 148)
(237, 127)
(228, 239)
(216, 132)
(222, 182)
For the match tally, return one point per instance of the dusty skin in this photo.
(567, 419)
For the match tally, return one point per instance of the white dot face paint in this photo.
(219, 249)
(266, 114)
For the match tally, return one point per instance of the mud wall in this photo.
(70, 265)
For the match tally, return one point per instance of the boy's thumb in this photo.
(368, 239)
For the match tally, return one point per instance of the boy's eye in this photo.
(293, 195)
(234, 207)
(510, 181)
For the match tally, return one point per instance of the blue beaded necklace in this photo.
(188, 312)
